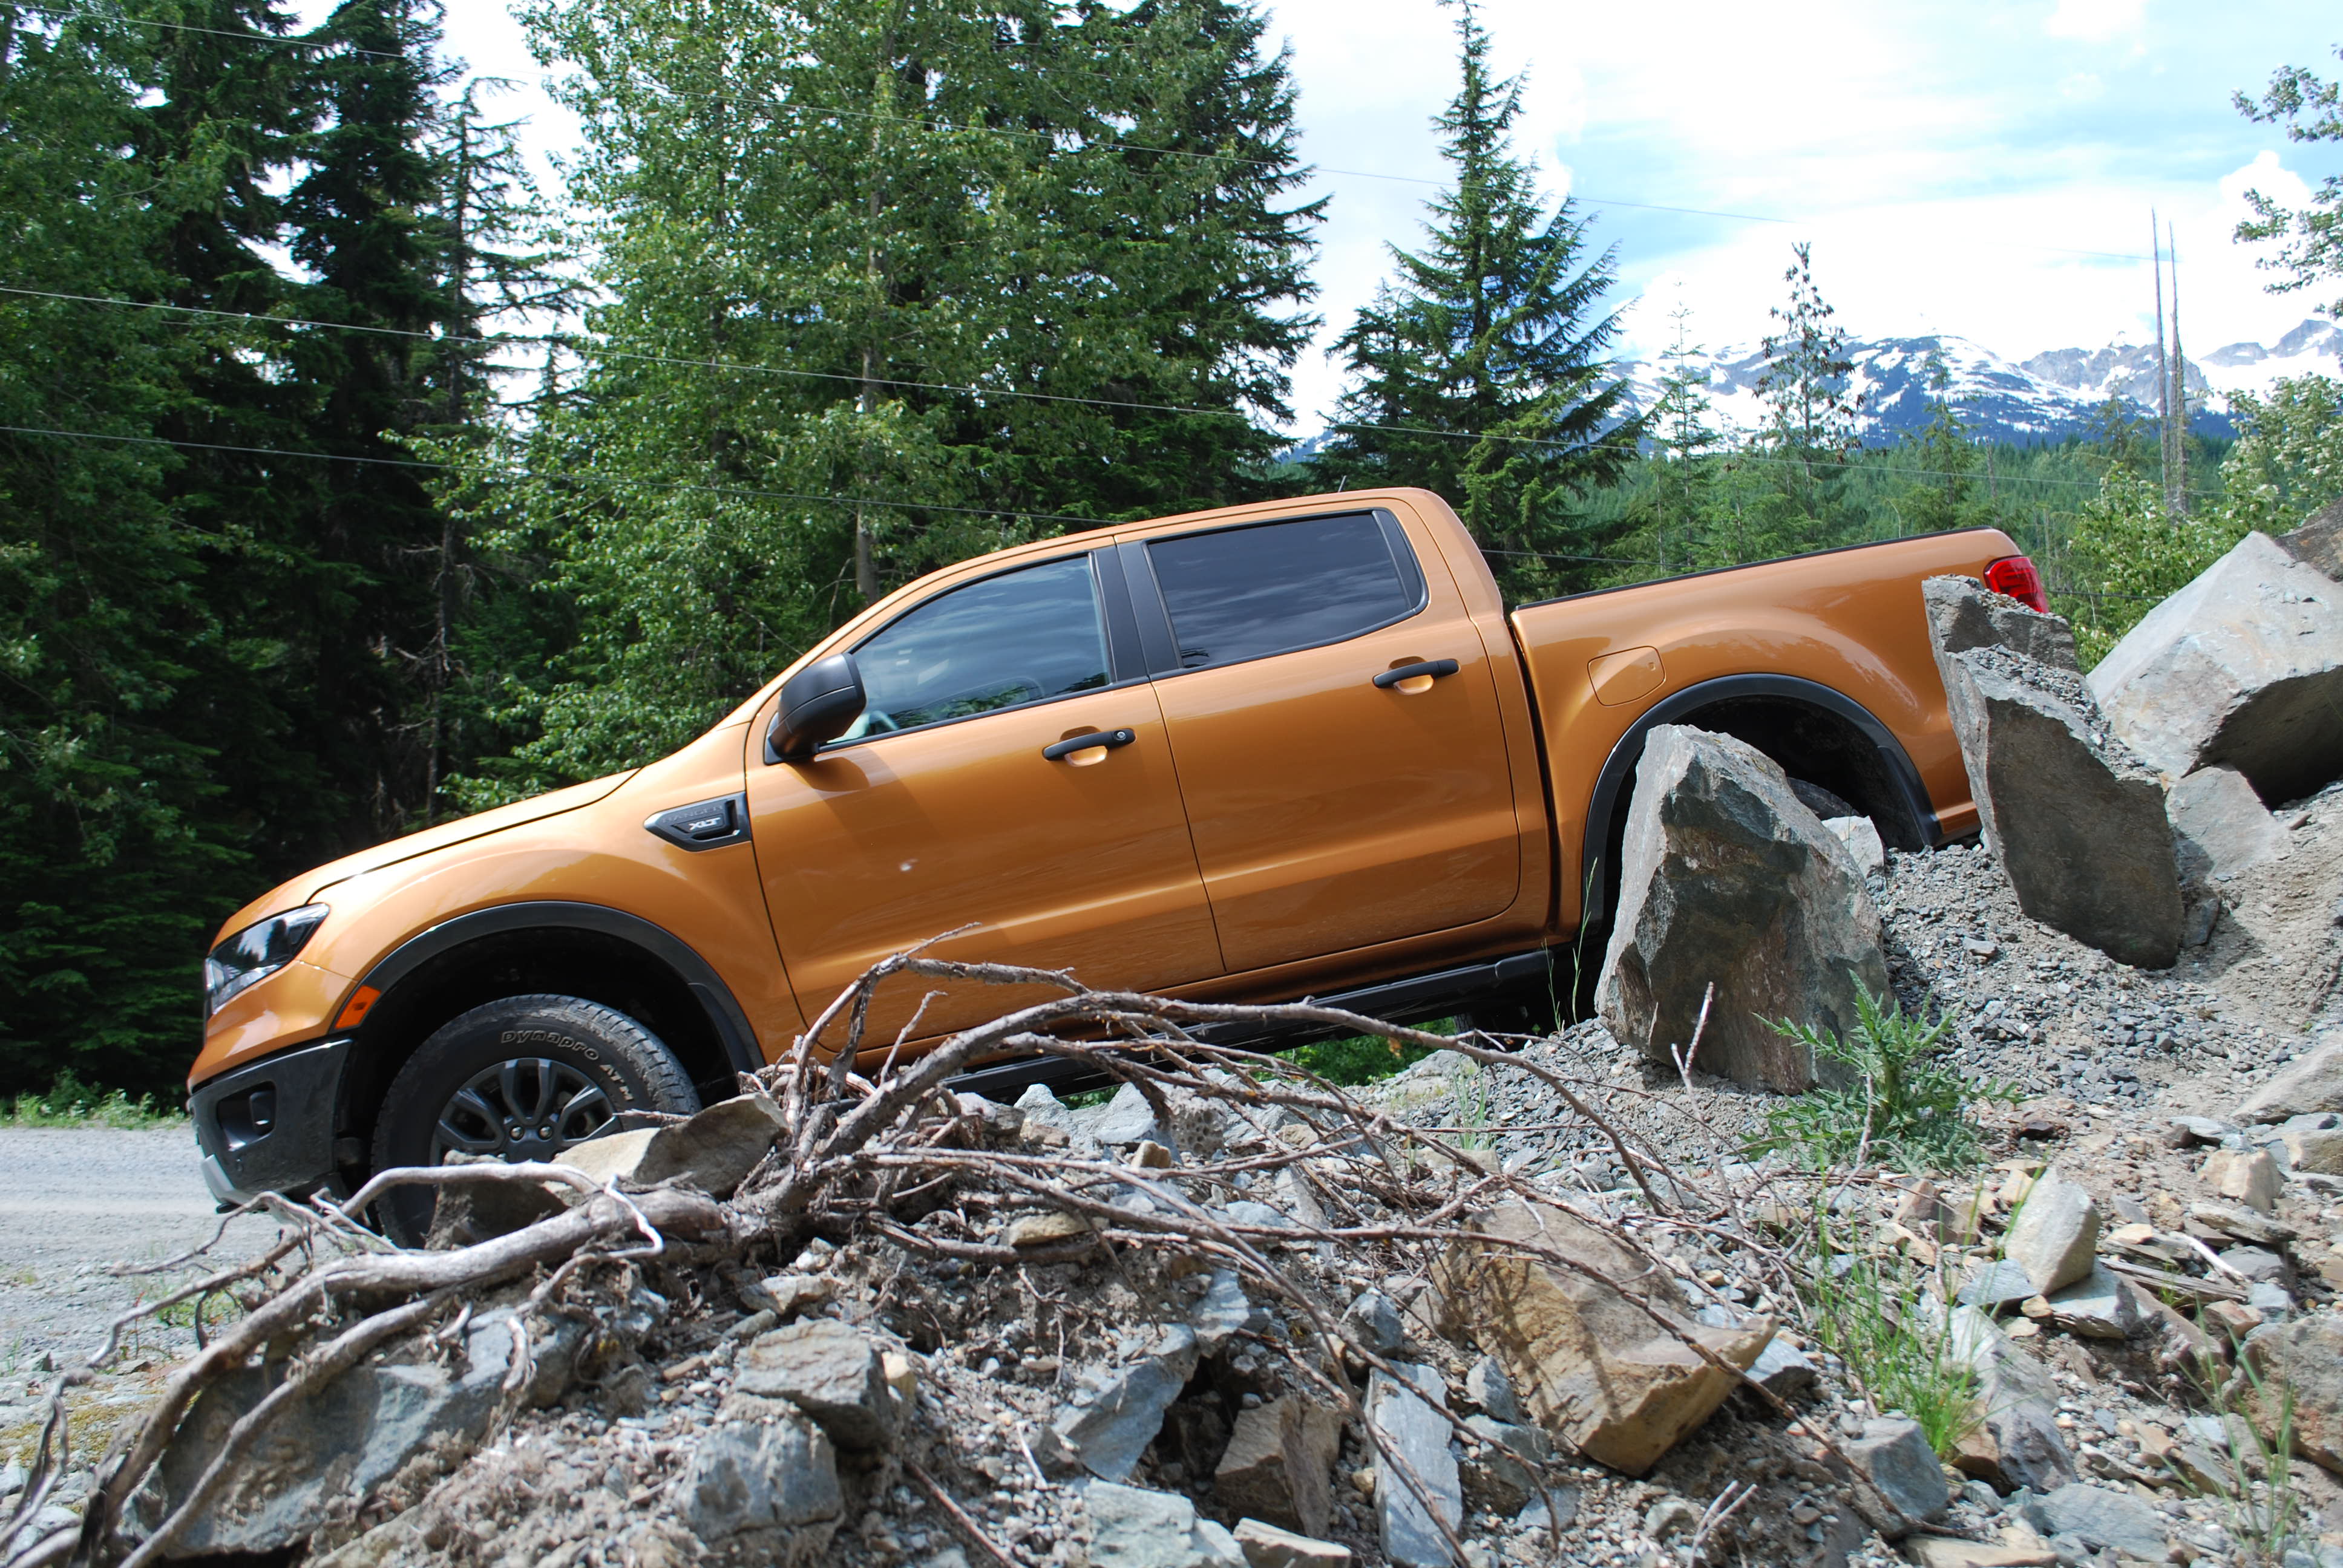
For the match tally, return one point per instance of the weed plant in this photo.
(1475, 1108)
(1863, 1309)
(1359, 1059)
(1902, 1107)
(70, 1102)
(2264, 1517)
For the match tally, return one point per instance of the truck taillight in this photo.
(2015, 576)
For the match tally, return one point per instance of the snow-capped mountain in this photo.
(2047, 398)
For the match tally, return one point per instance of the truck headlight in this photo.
(260, 949)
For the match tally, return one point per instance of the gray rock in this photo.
(1895, 1456)
(1964, 614)
(1132, 1527)
(2099, 1306)
(1670, 1516)
(2220, 825)
(2318, 542)
(1412, 1429)
(2056, 1234)
(771, 1477)
(2256, 1265)
(2002, 1282)
(351, 1434)
(1373, 1323)
(713, 1149)
(2188, 1130)
(1487, 1386)
(2074, 820)
(2318, 1149)
(1727, 877)
(1109, 1432)
(1267, 1546)
(1861, 837)
(1223, 1313)
(2244, 666)
(2309, 1086)
(2305, 1356)
(1278, 1463)
(2100, 1518)
(1128, 1118)
(1246, 1211)
(834, 1373)
(1783, 1369)
(2016, 1441)
(2271, 1298)
(1498, 1477)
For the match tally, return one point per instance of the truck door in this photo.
(952, 803)
(1335, 723)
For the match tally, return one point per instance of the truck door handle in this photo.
(1101, 741)
(1418, 677)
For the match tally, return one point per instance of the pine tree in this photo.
(118, 847)
(361, 220)
(1944, 493)
(1810, 417)
(1479, 370)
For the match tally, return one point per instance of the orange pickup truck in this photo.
(1288, 749)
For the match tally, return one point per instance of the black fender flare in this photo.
(1618, 767)
(698, 975)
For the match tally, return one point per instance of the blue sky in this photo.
(1946, 160)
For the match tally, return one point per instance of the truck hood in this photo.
(305, 887)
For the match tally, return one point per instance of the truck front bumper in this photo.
(270, 1126)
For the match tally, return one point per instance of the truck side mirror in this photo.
(819, 704)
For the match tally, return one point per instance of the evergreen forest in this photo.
(349, 481)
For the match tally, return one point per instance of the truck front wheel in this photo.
(521, 1079)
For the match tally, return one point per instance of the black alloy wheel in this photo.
(517, 1080)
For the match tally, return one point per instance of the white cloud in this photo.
(2094, 21)
(2082, 87)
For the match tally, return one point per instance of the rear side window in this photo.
(1025, 635)
(1240, 593)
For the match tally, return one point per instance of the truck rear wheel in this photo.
(521, 1079)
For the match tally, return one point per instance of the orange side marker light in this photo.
(355, 1013)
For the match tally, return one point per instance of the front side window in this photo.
(1240, 593)
(1025, 635)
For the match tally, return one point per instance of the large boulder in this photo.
(2016, 1442)
(1963, 614)
(2244, 666)
(1597, 1351)
(1277, 1464)
(713, 1149)
(2076, 821)
(1725, 876)
(762, 1483)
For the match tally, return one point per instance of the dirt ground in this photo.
(73, 1200)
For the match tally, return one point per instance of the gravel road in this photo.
(73, 1200)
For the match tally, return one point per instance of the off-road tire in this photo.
(588, 1054)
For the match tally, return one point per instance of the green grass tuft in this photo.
(70, 1102)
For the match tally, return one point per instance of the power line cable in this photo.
(947, 129)
(735, 490)
(588, 350)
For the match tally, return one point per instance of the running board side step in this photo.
(1408, 1000)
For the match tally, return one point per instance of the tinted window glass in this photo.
(1243, 592)
(1021, 636)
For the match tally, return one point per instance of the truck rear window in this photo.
(1240, 593)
